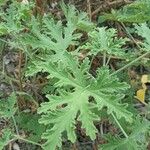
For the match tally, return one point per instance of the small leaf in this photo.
(140, 95)
(105, 40)
(145, 79)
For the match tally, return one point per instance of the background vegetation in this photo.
(74, 79)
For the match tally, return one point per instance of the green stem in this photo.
(108, 60)
(28, 141)
(123, 131)
(92, 60)
(104, 58)
(130, 35)
(15, 125)
(129, 64)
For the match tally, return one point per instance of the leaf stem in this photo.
(129, 64)
(108, 60)
(130, 35)
(92, 60)
(104, 58)
(123, 131)
(28, 141)
(15, 125)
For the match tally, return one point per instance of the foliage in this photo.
(53, 37)
(7, 111)
(105, 40)
(13, 17)
(136, 12)
(135, 141)
(7, 106)
(6, 133)
(75, 75)
(71, 94)
(144, 31)
(85, 86)
(28, 122)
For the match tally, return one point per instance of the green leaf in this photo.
(105, 40)
(7, 106)
(76, 18)
(87, 117)
(144, 31)
(54, 37)
(3, 29)
(28, 122)
(6, 133)
(117, 144)
(63, 119)
(13, 17)
(136, 12)
(61, 111)
(135, 141)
